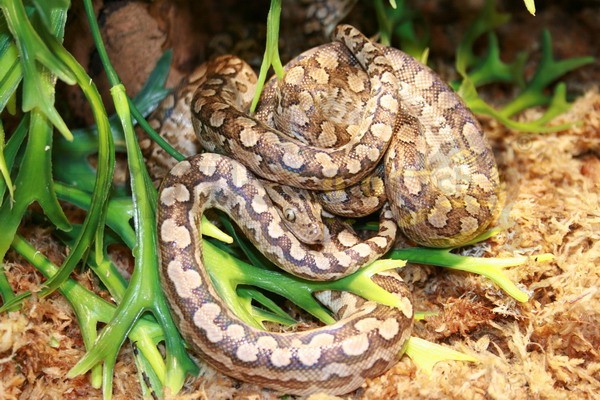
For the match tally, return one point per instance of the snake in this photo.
(440, 175)
(441, 189)
(367, 340)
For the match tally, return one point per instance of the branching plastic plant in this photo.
(31, 52)
(35, 30)
(240, 273)
(398, 23)
(477, 71)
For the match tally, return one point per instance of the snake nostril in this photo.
(314, 230)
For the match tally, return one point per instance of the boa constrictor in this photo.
(440, 181)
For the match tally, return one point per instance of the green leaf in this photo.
(93, 225)
(10, 75)
(143, 292)
(271, 56)
(33, 182)
(477, 71)
(38, 79)
(91, 310)
(487, 20)
(491, 69)
(53, 13)
(274, 314)
(491, 268)
(228, 272)
(470, 96)
(6, 181)
(530, 4)
(558, 104)
(548, 71)
(426, 354)
(72, 158)
(10, 151)
(398, 26)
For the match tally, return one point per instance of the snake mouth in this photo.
(314, 234)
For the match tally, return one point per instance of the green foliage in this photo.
(71, 158)
(491, 268)
(271, 56)
(8, 156)
(479, 71)
(426, 354)
(398, 27)
(37, 59)
(90, 310)
(32, 54)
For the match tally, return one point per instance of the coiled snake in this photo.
(440, 182)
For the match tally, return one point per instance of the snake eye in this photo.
(290, 214)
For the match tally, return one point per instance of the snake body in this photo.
(440, 183)
(260, 222)
(219, 115)
(367, 340)
(440, 174)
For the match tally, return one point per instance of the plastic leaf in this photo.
(426, 354)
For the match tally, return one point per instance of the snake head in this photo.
(303, 225)
(299, 210)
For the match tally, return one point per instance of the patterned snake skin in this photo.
(368, 339)
(440, 183)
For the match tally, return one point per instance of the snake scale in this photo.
(440, 184)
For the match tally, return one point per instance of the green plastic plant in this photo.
(71, 158)
(271, 56)
(476, 71)
(398, 25)
(30, 39)
(244, 278)
(36, 30)
(479, 71)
